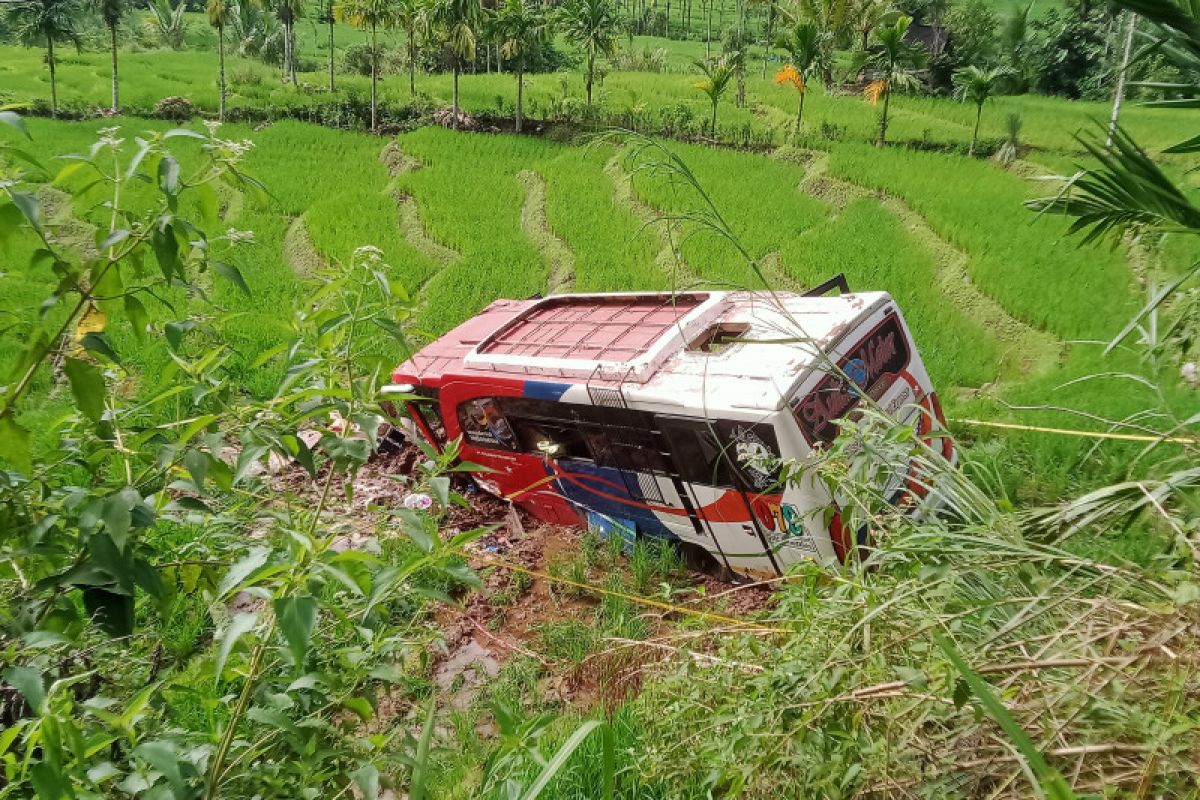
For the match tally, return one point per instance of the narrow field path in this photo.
(1029, 350)
(536, 224)
(299, 252)
(669, 259)
(409, 215)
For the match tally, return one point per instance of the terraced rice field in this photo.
(994, 295)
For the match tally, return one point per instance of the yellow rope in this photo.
(645, 601)
(1130, 437)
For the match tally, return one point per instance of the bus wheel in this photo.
(697, 559)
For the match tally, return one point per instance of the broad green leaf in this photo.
(7, 737)
(196, 463)
(13, 120)
(232, 274)
(296, 616)
(87, 387)
(117, 513)
(360, 707)
(98, 343)
(27, 204)
(161, 756)
(14, 444)
(48, 782)
(242, 569)
(138, 318)
(29, 683)
(174, 332)
(239, 626)
(249, 456)
(10, 220)
(168, 175)
(166, 250)
(113, 239)
(366, 778)
(440, 486)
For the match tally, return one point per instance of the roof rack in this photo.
(836, 282)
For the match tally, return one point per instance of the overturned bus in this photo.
(667, 415)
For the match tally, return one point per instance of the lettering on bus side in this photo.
(872, 366)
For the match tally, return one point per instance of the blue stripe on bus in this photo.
(545, 390)
(647, 521)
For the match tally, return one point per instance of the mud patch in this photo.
(299, 252)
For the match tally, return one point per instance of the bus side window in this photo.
(483, 425)
(725, 453)
(541, 437)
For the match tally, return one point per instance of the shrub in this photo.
(175, 108)
(357, 59)
(645, 61)
(246, 76)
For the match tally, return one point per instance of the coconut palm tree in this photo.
(372, 15)
(804, 43)
(869, 15)
(413, 16)
(977, 85)
(717, 75)
(834, 18)
(171, 22)
(520, 27)
(592, 25)
(110, 12)
(37, 22)
(220, 14)
(459, 21)
(895, 63)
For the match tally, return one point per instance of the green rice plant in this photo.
(1028, 267)
(569, 640)
(470, 201)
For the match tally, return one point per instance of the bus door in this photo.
(426, 414)
(725, 465)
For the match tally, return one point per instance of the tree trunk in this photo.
(457, 70)
(412, 62)
(883, 121)
(116, 83)
(374, 82)
(714, 121)
(975, 133)
(800, 116)
(1119, 93)
(591, 64)
(221, 71)
(520, 94)
(708, 33)
(53, 83)
(331, 49)
(291, 32)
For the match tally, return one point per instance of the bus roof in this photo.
(697, 349)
